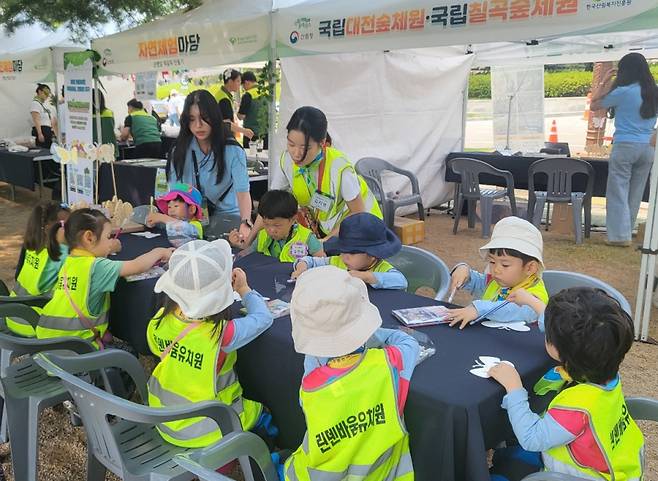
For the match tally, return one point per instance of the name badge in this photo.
(298, 250)
(321, 202)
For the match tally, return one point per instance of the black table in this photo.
(136, 183)
(518, 165)
(452, 416)
(18, 168)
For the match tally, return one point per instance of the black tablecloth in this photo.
(18, 168)
(136, 184)
(519, 164)
(452, 416)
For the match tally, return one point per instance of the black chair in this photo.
(559, 172)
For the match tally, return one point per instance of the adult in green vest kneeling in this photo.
(144, 129)
(355, 384)
(587, 431)
(320, 177)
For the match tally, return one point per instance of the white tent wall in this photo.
(403, 107)
(15, 98)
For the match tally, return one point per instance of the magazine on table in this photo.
(277, 307)
(422, 316)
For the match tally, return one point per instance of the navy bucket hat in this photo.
(364, 233)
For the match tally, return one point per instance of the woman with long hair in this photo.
(632, 100)
(203, 157)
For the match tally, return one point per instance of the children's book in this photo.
(422, 316)
(153, 272)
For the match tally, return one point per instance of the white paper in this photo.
(519, 326)
(147, 234)
(484, 363)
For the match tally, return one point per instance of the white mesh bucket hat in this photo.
(199, 278)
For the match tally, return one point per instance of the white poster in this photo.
(145, 85)
(517, 93)
(78, 95)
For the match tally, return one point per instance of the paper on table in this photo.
(519, 326)
(484, 363)
(147, 234)
(155, 271)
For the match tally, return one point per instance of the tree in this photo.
(84, 17)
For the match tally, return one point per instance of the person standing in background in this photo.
(632, 100)
(107, 123)
(251, 106)
(175, 107)
(224, 97)
(44, 117)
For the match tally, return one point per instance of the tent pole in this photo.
(57, 93)
(272, 114)
(648, 264)
(465, 109)
(99, 136)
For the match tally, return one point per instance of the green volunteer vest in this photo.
(299, 239)
(335, 164)
(614, 430)
(199, 228)
(538, 290)
(59, 318)
(251, 116)
(189, 374)
(144, 128)
(354, 431)
(381, 266)
(107, 130)
(27, 284)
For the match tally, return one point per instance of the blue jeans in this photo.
(628, 169)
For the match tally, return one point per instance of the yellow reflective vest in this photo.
(335, 163)
(380, 266)
(295, 248)
(27, 284)
(59, 318)
(615, 433)
(188, 374)
(538, 289)
(354, 430)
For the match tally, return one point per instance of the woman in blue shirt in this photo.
(203, 157)
(632, 100)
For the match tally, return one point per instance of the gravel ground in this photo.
(63, 456)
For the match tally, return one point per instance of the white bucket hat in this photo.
(331, 313)
(199, 278)
(517, 234)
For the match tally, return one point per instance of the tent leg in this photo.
(648, 265)
(272, 114)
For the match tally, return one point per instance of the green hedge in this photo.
(566, 83)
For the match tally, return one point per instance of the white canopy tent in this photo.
(497, 32)
(27, 56)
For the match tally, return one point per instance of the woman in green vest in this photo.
(107, 123)
(320, 177)
(251, 107)
(224, 97)
(144, 129)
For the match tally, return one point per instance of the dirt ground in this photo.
(62, 455)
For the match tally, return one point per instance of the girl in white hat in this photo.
(197, 341)
(514, 257)
(355, 384)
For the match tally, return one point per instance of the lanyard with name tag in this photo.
(320, 200)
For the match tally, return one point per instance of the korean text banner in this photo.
(26, 66)
(344, 25)
(217, 33)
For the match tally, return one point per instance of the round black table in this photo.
(453, 416)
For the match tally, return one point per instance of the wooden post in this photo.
(597, 118)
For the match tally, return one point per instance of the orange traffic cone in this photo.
(553, 135)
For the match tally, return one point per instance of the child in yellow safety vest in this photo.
(197, 342)
(81, 296)
(355, 383)
(514, 261)
(361, 248)
(38, 271)
(281, 236)
(182, 205)
(587, 431)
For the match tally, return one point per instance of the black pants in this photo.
(149, 150)
(47, 136)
